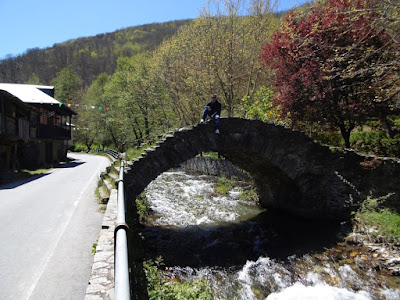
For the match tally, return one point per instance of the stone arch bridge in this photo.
(291, 171)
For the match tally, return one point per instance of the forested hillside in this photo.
(329, 79)
(87, 56)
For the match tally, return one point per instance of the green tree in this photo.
(67, 86)
(34, 79)
(140, 97)
(216, 53)
(261, 107)
(91, 125)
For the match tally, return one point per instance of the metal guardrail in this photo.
(113, 153)
(122, 288)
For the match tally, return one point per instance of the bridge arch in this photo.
(292, 172)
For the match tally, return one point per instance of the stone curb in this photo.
(101, 282)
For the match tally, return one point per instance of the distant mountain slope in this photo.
(88, 56)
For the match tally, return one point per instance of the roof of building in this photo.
(29, 93)
(34, 94)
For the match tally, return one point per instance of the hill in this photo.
(88, 56)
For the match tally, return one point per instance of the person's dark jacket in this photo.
(215, 108)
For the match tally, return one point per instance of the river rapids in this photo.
(246, 252)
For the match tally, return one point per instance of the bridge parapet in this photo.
(291, 171)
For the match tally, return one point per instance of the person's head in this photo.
(213, 97)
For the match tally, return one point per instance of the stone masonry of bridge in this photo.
(291, 171)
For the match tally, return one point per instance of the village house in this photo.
(35, 128)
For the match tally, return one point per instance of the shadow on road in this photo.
(71, 164)
(18, 182)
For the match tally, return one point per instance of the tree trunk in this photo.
(387, 127)
(113, 137)
(346, 136)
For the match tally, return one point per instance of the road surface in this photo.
(47, 230)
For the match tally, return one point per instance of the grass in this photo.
(25, 174)
(249, 195)
(381, 224)
(210, 154)
(133, 153)
(224, 185)
(387, 223)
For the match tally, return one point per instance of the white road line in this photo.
(46, 262)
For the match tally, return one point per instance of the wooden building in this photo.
(35, 128)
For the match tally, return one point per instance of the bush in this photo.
(329, 138)
(375, 142)
(143, 207)
(78, 147)
(159, 287)
(368, 142)
(250, 195)
(224, 185)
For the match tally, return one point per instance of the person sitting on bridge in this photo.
(213, 110)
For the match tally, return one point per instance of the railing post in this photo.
(122, 288)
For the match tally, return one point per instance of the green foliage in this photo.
(162, 289)
(34, 79)
(250, 195)
(261, 107)
(89, 56)
(385, 222)
(78, 147)
(216, 53)
(142, 206)
(368, 142)
(133, 153)
(213, 155)
(67, 85)
(331, 138)
(224, 185)
(375, 142)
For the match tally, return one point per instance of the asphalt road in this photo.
(47, 230)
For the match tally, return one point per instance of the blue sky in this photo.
(26, 24)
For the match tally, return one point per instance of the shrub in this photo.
(329, 138)
(375, 142)
(142, 206)
(78, 147)
(384, 221)
(224, 185)
(159, 287)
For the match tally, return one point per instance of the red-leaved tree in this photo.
(329, 64)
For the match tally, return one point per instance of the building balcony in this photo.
(53, 132)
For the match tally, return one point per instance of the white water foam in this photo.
(194, 201)
(272, 276)
(321, 291)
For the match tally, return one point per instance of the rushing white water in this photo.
(231, 251)
(181, 199)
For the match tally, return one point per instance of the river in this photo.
(246, 252)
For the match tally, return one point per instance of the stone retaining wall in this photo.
(215, 167)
